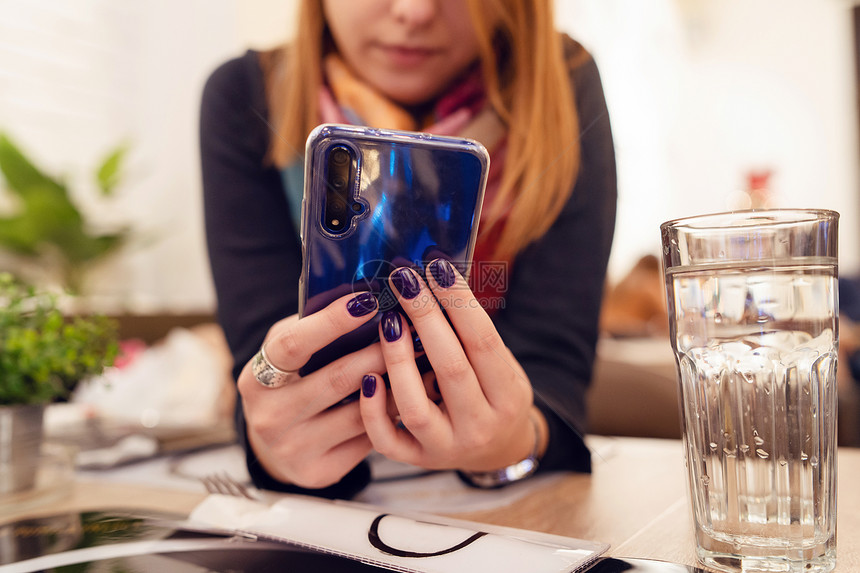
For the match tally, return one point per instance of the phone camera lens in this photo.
(339, 156)
(339, 183)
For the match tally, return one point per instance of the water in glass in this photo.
(756, 350)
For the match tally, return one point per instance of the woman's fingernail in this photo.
(362, 304)
(417, 345)
(368, 386)
(443, 272)
(391, 327)
(406, 283)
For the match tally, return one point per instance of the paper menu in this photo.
(418, 543)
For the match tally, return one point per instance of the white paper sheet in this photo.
(419, 543)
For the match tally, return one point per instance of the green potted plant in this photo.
(43, 355)
(44, 229)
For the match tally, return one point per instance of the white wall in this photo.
(698, 91)
(78, 78)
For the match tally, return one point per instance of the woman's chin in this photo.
(409, 93)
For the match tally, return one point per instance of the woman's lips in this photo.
(406, 56)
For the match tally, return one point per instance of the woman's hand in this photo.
(294, 431)
(482, 422)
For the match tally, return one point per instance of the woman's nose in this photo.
(415, 12)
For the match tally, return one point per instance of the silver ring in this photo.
(267, 373)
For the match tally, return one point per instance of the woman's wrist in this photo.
(519, 470)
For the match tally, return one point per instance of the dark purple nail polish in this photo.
(406, 283)
(391, 327)
(417, 345)
(368, 386)
(362, 304)
(443, 272)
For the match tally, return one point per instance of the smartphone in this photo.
(375, 200)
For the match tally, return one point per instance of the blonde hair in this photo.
(527, 83)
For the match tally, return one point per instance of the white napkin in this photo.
(402, 542)
(174, 384)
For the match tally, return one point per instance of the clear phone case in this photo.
(400, 199)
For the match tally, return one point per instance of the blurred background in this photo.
(714, 105)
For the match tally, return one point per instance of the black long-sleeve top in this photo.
(552, 304)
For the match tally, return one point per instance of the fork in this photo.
(224, 484)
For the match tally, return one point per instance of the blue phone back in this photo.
(417, 197)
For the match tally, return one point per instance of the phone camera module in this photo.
(340, 178)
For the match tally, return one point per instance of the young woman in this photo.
(509, 392)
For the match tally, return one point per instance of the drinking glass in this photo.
(753, 306)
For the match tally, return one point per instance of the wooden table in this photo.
(635, 500)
